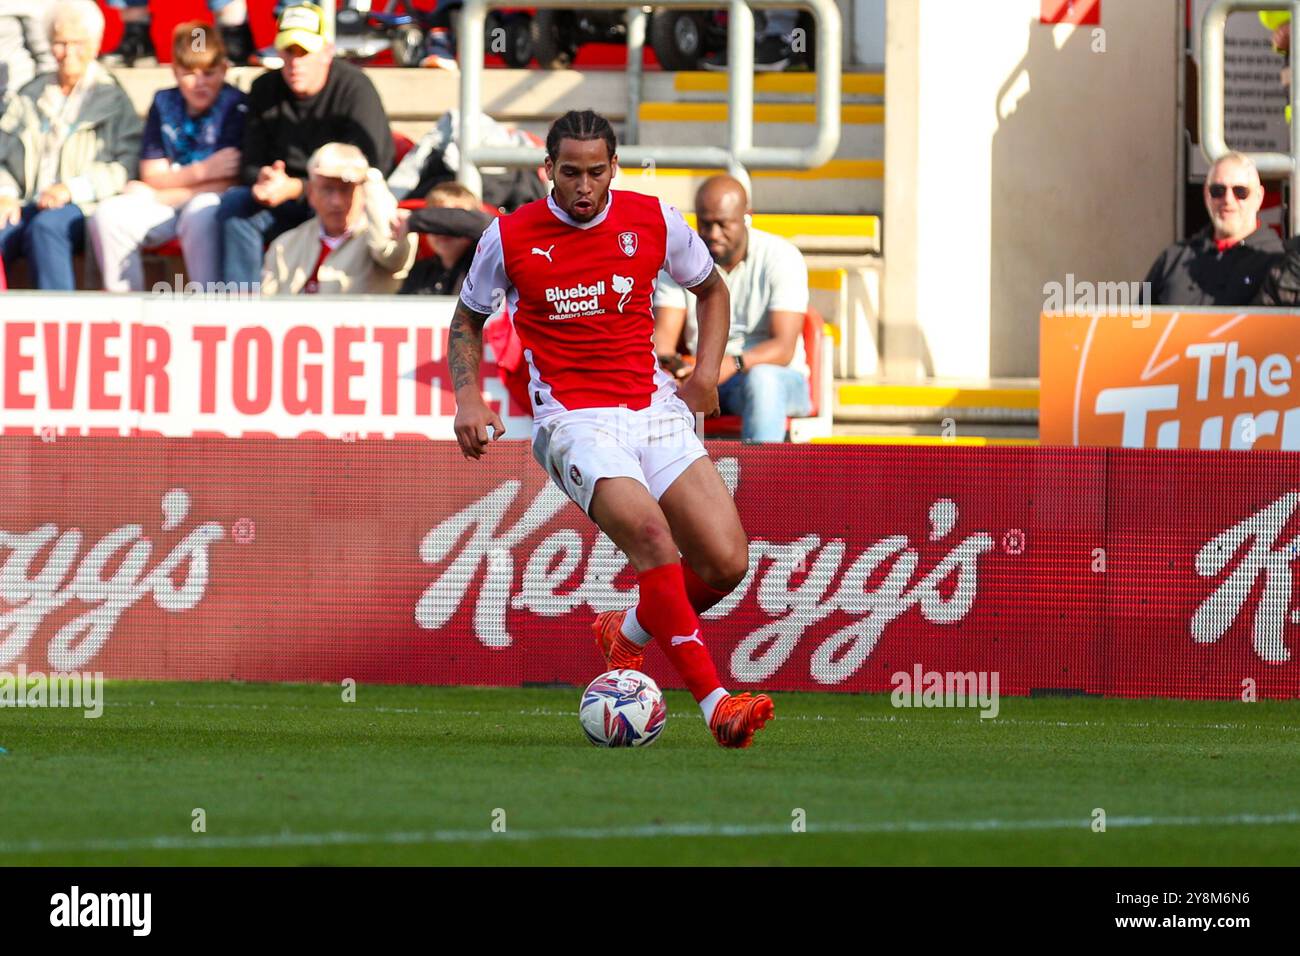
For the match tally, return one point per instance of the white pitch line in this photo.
(278, 840)
(814, 718)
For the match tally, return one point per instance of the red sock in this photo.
(666, 613)
(701, 595)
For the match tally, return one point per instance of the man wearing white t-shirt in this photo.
(764, 375)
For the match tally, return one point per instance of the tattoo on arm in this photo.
(465, 345)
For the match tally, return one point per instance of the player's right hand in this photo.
(472, 421)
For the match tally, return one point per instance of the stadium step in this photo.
(854, 186)
(862, 133)
(851, 114)
(784, 115)
(852, 85)
(1012, 402)
(847, 235)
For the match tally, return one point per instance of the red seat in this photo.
(172, 247)
(729, 426)
(401, 146)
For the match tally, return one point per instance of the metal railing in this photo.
(740, 154)
(1213, 138)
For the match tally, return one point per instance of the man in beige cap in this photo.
(348, 246)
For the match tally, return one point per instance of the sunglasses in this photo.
(1219, 190)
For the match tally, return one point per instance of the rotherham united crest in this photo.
(627, 242)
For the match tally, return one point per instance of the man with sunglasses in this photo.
(1226, 262)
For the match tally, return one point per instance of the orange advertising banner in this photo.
(1190, 379)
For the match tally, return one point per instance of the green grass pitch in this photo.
(291, 774)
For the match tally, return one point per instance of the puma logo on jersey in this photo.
(545, 252)
(687, 638)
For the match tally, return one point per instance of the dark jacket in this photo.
(430, 276)
(281, 126)
(1194, 272)
(1282, 284)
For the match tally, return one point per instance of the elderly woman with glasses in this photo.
(68, 140)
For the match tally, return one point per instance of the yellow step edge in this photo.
(851, 114)
(788, 224)
(831, 280)
(927, 441)
(938, 396)
(835, 169)
(864, 84)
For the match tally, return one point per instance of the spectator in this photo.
(764, 377)
(312, 100)
(1225, 262)
(136, 46)
(190, 155)
(455, 220)
(24, 43)
(1281, 285)
(436, 158)
(68, 142)
(349, 245)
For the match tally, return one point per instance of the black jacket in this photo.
(281, 126)
(1194, 272)
(1282, 284)
(430, 276)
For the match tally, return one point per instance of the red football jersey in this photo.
(580, 295)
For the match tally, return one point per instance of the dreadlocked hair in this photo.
(581, 125)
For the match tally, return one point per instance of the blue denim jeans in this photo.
(48, 239)
(247, 226)
(764, 396)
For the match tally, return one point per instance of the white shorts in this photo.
(653, 446)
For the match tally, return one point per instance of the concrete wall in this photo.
(1016, 153)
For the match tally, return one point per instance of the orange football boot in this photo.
(619, 652)
(737, 717)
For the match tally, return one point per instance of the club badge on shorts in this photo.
(627, 242)
(575, 476)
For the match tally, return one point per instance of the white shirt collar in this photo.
(568, 220)
(333, 242)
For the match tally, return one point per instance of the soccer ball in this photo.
(622, 708)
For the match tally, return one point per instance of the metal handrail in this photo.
(1214, 142)
(738, 156)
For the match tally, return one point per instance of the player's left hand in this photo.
(699, 397)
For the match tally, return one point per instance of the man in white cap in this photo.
(349, 245)
(312, 100)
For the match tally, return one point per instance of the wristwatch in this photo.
(740, 362)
